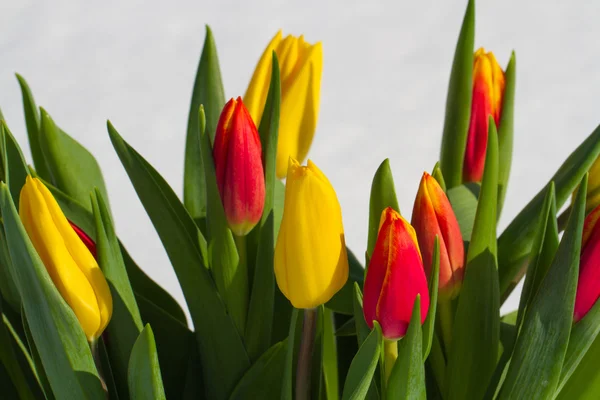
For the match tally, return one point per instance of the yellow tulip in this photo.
(301, 65)
(311, 263)
(68, 261)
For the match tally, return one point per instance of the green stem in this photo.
(444, 310)
(96, 356)
(240, 244)
(390, 355)
(305, 352)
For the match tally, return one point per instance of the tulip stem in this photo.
(307, 345)
(390, 351)
(444, 309)
(98, 362)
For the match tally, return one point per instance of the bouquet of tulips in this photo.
(280, 307)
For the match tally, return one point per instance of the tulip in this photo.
(238, 163)
(395, 277)
(68, 261)
(301, 65)
(488, 92)
(311, 263)
(89, 243)
(588, 289)
(433, 215)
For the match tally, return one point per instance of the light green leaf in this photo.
(458, 102)
(208, 91)
(363, 367)
(287, 385)
(362, 332)
(474, 352)
(145, 382)
(439, 176)
(383, 195)
(505, 130)
(15, 166)
(464, 203)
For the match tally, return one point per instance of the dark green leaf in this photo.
(36, 360)
(208, 91)
(329, 356)
(362, 332)
(458, 102)
(55, 330)
(474, 352)
(145, 382)
(464, 203)
(221, 347)
(505, 130)
(287, 385)
(584, 383)
(383, 195)
(342, 301)
(515, 242)
(14, 163)
(429, 325)
(263, 379)
(541, 345)
(347, 329)
(407, 380)
(363, 367)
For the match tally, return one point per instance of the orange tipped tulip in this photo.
(395, 277)
(433, 215)
(588, 287)
(488, 93)
(238, 163)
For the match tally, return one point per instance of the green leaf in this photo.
(363, 367)
(514, 245)
(36, 359)
(263, 380)
(429, 325)
(362, 332)
(505, 130)
(464, 203)
(584, 383)
(342, 301)
(8, 285)
(541, 345)
(208, 91)
(221, 347)
(145, 382)
(329, 356)
(383, 195)
(15, 166)
(260, 309)
(407, 380)
(474, 352)
(287, 385)
(32, 121)
(348, 328)
(55, 330)
(438, 176)
(126, 323)
(458, 102)
(231, 275)
(73, 169)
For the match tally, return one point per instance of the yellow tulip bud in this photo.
(68, 261)
(301, 65)
(311, 263)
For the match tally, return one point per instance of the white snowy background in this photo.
(386, 68)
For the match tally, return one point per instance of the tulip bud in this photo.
(89, 243)
(238, 163)
(68, 261)
(433, 215)
(588, 289)
(311, 263)
(395, 277)
(301, 65)
(488, 92)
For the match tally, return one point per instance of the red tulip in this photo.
(238, 162)
(488, 93)
(588, 285)
(433, 215)
(395, 277)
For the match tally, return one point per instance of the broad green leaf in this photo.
(583, 335)
(260, 309)
(474, 351)
(55, 330)
(429, 325)
(126, 323)
(140, 282)
(32, 121)
(363, 367)
(36, 360)
(541, 345)
(145, 382)
(329, 356)
(228, 269)
(16, 364)
(8, 285)
(515, 242)
(383, 195)
(584, 383)
(505, 130)
(287, 384)
(263, 380)
(15, 166)
(208, 91)
(342, 301)
(458, 102)
(464, 203)
(407, 380)
(220, 345)
(73, 169)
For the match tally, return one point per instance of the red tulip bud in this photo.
(238, 162)
(588, 285)
(395, 277)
